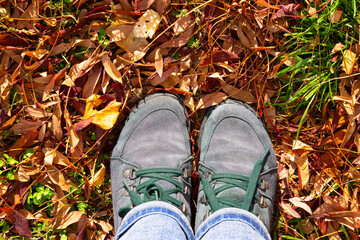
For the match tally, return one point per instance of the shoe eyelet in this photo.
(130, 173)
(264, 184)
(185, 190)
(207, 176)
(262, 202)
(260, 218)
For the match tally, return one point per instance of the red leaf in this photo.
(20, 222)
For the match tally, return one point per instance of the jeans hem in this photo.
(150, 211)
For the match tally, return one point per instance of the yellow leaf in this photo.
(99, 177)
(348, 62)
(303, 169)
(106, 118)
(91, 102)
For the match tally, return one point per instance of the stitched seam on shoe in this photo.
(188, 147)
(213, 131)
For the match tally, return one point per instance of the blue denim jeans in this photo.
(162, 221)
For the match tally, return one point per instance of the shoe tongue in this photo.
(234, 194)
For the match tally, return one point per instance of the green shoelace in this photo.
(152, 191)
(249, 184)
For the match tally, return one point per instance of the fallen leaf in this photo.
(25, 126)
(58, 178)
(338, 47)
(62, 221)
(303, 169)
(159, 63)
(92, 82)
(290, 210)
(238, 94)
(348, 62)
(106, 118)
(298, 202)
(98, 178)
(111, 69)
(147, 24)
(74, 138)
(20, 222)
(336, 16)
(211, 99)
(106, 227)
(219, 56)
(119, 32)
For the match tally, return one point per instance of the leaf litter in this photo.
(71, 72)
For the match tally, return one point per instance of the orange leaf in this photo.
(106, 118)
(266, 4)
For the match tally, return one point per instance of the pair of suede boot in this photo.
(152, 160)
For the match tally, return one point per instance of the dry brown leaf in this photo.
(24, 126)
(336, 16)
(28, 215)
(211, 99)
(348, 62)
(106, 227)
(63, 219)
(98, 178)
(74, 138)
(119, 32)
(159, 63)
(58, 178)
(147, 24)
(189, 102)
(21, 175)
(111, 69)
(290, 210)
(105, 118)
(5, 87)
(303, 169)
(298, 202)
(36, 112)
(238, 94)
(337, 47)
(182, 24)
(56, 127)
(91, 82)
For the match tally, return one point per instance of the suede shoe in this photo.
(237, 165)
(152, 158)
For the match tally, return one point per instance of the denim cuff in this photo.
(154, 207)
(233, 214)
